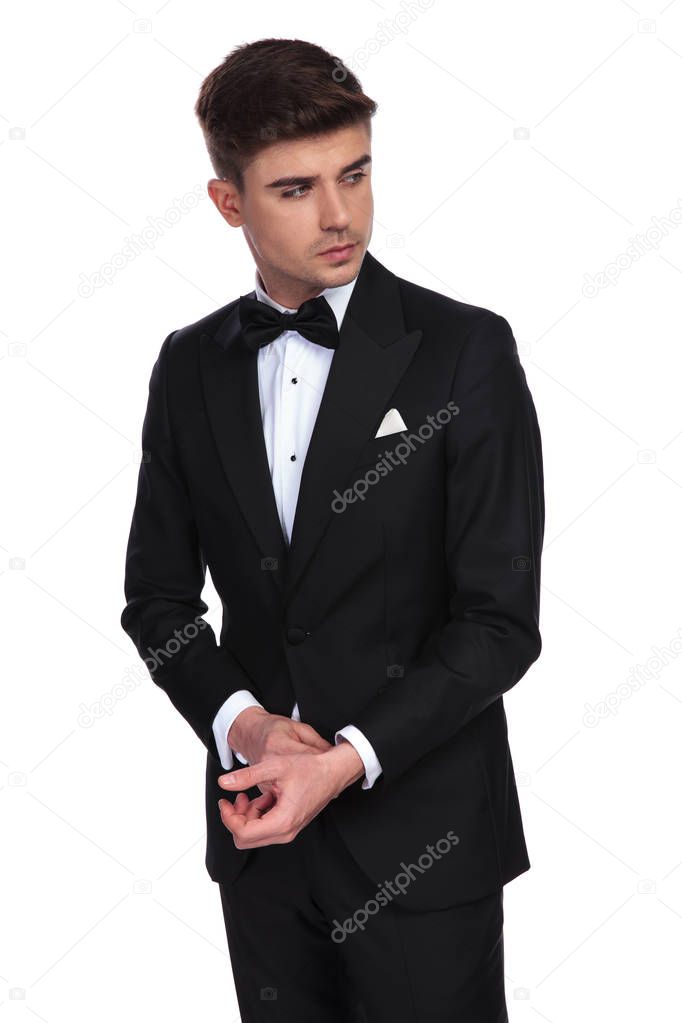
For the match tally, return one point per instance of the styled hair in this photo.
(273, 90)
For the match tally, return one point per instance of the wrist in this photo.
(346, 763)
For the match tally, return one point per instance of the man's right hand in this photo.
(257, 734)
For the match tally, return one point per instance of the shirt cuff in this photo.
(222, 723)
(365, 749)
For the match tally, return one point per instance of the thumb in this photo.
(310, 736)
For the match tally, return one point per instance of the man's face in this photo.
(302, 198)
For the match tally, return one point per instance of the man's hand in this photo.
(295, 786)
(257, 735)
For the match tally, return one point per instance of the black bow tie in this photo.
(262, 323)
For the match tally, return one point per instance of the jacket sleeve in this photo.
(492, 547)
(165, 574)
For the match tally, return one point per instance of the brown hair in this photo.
(270, 90)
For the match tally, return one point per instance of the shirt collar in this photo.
(338, 298)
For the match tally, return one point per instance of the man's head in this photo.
(288, 130)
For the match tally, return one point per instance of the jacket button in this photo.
(296, 635)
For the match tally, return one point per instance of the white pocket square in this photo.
(391, 423)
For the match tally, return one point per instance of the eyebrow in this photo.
(295, 181)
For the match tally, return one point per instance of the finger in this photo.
(271, 829)
(247, 777)
(227, 812)
(241, 803)
(291, 744)
(311, 737)
(257, 807)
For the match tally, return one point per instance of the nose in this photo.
(335, 214)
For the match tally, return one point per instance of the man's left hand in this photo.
(299, 786)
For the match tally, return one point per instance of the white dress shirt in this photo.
(292, 373)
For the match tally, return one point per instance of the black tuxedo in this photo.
(407, 612)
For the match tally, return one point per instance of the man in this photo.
(357, 460)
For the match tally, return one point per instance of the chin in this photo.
(340, 276)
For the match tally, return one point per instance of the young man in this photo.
(357, 460)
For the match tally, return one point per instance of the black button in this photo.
(296, 635)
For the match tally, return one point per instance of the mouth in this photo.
(339, 251)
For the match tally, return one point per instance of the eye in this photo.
(300, 191)
(292, 194)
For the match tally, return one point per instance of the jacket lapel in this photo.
(373, 353)
(229, 372)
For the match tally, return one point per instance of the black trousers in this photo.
(308, 945)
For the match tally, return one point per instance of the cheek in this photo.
(363, 213)
(271, 240)
(269, 221)
(288, 226)
(366, 197)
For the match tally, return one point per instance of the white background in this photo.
(107, 912)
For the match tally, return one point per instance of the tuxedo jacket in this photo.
(408, 600)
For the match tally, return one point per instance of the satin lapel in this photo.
(229, 372)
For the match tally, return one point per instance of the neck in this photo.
(288, 293)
